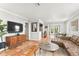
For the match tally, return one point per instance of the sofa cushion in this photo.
(70, 45)
(77, 42)
(65, 38)
(72, 48)
(74, 38)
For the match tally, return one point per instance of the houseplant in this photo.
(2, 31)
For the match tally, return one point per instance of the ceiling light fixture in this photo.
(37, 4)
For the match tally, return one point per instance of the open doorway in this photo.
(27, 30)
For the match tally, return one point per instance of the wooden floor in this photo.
(59, 52)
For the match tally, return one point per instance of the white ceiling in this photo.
(49, 12)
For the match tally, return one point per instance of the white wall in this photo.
(35, 35)
(69, 30)
(9, 17)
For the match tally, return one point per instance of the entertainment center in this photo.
(12, 28)
(14, 41)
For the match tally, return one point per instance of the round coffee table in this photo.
(51, 47)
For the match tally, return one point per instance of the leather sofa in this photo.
(71, 44)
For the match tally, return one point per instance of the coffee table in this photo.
(51, 47)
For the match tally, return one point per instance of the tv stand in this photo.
(14, 41)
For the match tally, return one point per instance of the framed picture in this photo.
(74, 25)
(34, 27)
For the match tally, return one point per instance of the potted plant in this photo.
(2, 31)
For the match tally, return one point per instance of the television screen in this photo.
(14, 27)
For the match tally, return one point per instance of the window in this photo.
(55, 29)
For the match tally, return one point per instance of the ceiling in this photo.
(48, 12)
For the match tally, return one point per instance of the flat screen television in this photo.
(14, 27)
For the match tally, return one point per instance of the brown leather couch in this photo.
(71, 44)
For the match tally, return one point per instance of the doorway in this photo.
(27, 30)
